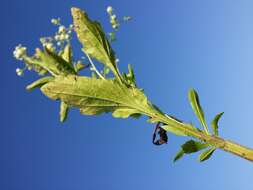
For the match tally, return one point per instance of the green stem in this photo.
(206, 129)
(226, 145)
(94, 67)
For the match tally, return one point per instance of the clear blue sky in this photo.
(173, 45)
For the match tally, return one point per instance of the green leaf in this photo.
(124, 112)
(174, 130)
(64, 67)
(106, 71)
(130, 77)
(94, 75)
(94, 41)
(96, 96)
(80, 66)
(195, 104)
(67, 54)
(63, 111)
(51, 62)
(179, 155)
(38, 83)
(206, 154)
(214, 123)
(193, 146)
(153, 120)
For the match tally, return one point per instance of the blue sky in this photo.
(173, 46)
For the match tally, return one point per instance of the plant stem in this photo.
(94, 67)
(206, 129)
(226, 145)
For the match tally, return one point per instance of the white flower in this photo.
(19, 72)
(117, 60)
(19, 52)
(57, 37)
(62, 29)
(29, 68)
(55, 21)
(50, 46)
(109, 10)
(114, 26)
(71, 26)
(66, 36)
(113, 17)
(62, 37)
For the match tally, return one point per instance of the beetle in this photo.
(162, 133)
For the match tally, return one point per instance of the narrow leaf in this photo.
(193, 146)
(179, 155)
(206, 154)
(38, 83)
(80, 66)
(214, 123)
(67, 54)
(93, 39)
(51, 62)
(63, 111)
(64, 66)
(195, 104)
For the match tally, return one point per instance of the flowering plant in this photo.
(117, 92)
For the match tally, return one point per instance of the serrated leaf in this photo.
(195, 104)
(193, 146)
(173, 130)
(93, 39)
(206, 154)
(96, 96)
(214, 123)
(179, 155)
(38, 83)
(63, 111)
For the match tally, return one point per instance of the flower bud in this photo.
(61, 29)
(55, 21)
(113, 17)
(19, 52)
(109, 10)
(19, 72)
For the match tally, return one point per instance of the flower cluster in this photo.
(19, 72)
(61, 37)
(113, 18)
(19, 52)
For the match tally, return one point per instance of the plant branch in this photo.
(94, 67)
(215, 141)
